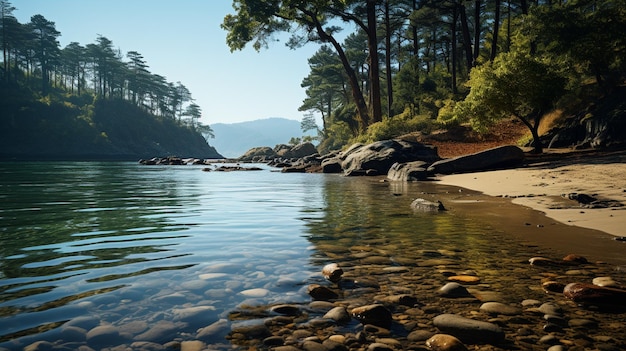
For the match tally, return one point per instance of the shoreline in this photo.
(544, 186)
(527, 202)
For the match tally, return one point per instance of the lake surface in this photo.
(93, 243)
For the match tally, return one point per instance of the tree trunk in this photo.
(476, 30)
(455, 15)
(496, 29)
(357, 93)
(388, 60)
(467, 42)
(372, 43)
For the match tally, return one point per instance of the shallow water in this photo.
(137, 246)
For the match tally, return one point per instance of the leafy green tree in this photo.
(514, 84)
(257, 21)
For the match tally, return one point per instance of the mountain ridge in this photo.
(234, 139)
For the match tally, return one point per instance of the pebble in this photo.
(469, 330)
(445, 342)
(465, 279)
(319, 292)
(339, 314)
(454, 290)
(605, 282)
(332, 272)
(499, 308)
(257, 292)
(192, 345)
(375, 314)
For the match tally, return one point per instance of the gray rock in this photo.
(498, 157)
(500, 308)
(39, 346)
(339, 314)
(319, 292)
(214, 331)
(301, 150)
(313, 346)
(469, 330)
(161, 332)
(146, 346)
(423, 205)
(453, 289)
(103, 335)
(332, 165)
(409, 171)
(258, 154)
(381, 155)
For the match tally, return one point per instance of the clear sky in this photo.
(182, 41)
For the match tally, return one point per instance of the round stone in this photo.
(499, 308)
(445, 342)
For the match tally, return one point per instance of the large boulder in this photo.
(258, 154)
(301, 150)
(495, 158)
(409, 171)
(378, 157)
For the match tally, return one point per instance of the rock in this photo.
(445, 342)
(542, 262)
(469, 330)
(258, 331)
(310, 345)
(319, 292)
(575, 259)
(552, 286)
(146, 346)
(339, 314)
(256, 292)
(402, 299)
(161, 332)
(409, 171)
(381, 155)
(70, 334)
(495, 158)
(103, 335)
(423, 205)
(589, 294)
(286, 310)
(192, 345)
(419, 335)
(607, 282)
(454, 290)
(258, 154)
(376, 314)
(214, 331)
(499, 308)
(332, 165)
(378, 346)
(332, 272)
(299, 151)
(550, 308)
(40, 346)
(194, 316)
(465, 279)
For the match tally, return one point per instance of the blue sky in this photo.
(182, 40)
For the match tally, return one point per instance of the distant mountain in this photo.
(234, 139)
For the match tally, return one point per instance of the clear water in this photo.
(126, 243)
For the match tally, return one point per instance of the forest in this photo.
(416, 65)
(88, 100)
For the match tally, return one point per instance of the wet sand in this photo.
(544, 214)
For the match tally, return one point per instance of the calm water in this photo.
(132, 245)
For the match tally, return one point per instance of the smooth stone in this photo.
(542, 262)
(332, 345)
(465, 279)
(257, 292)
(214, 330)
(531, 303)
(594, 295)
(606, 282)
(192, 345)
(273, 341)
(207, 276)
(454, 290)
(39, 346)
(499, 308)
(103, 335)
(419, 335)
(445, 342)
(174, 299)
(259, 331)
(286, 310)
(378, 346)
(147, 346)
(319, 292)
(468, 330)
(339, 314)
(423, 205)
(549, 339)
(550, 308)
(86, 323)
(557, 348)
(162, 331)
(193, 315)
(376, 314)
(575, 259)
(197, 284)
(332, 272)
(403, 300)
(69, 334)
(310, 345)
(582, 323)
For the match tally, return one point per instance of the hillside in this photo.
(234, 139)
(101, 130)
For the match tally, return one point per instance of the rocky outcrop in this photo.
(410, 171)
(378, 157)
(258, 154)
(495, 158)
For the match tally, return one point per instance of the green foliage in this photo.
(394, 127)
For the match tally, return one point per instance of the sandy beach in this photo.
(544, 183)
